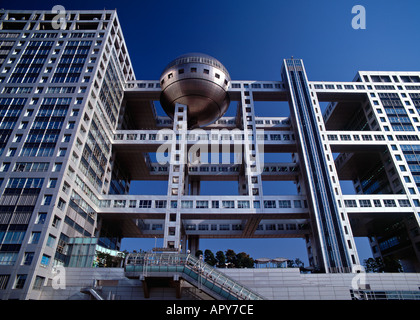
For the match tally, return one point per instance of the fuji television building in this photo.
(77, 127)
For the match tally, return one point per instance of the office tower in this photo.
(61, 91)
(77, 128)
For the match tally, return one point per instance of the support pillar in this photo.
(176, 182)
(193, 244)
(250, 182)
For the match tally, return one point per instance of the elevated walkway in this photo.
(198, 273)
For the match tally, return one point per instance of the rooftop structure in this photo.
(199, 82)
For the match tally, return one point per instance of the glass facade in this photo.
(55, 144)
(336, 254)
(396, 112)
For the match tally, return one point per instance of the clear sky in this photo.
(251, 38)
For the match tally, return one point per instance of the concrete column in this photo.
(193, 244)
(176, 183)
(253, 155)
(195, 187)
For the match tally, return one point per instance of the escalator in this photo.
(191, 269)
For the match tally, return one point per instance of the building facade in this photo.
(77, 127)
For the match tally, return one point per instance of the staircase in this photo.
(200, 274)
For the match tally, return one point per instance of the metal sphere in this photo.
(198, 81)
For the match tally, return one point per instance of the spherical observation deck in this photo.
(198, 81)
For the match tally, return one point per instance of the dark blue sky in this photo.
(251, 38)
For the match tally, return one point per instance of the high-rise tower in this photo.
(61, 93)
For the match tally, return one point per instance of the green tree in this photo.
(388, 264)
(297, 263)
(221, 259)
(230, 258)
(243, 260)
(105, 260)
(373, 265)
(198, 253)
(209, 257)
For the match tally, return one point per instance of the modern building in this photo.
(77, 128)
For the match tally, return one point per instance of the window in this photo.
(17, 138)
(119, 203)
(160, 203)
(56, 222)
(41, 217)
(39, 281)
(377, 203)
(404, 203)
(389, 203)
(62, 152)
(52, 183)
(270, 227)
(61, 204)
(57, 167)
(47, 200)
(35, 237)
(8, 258)
(45, 261)
(350, 203)
(20, 281)
(27, 258)
(157, 227)
(215, 204)
(66, 138)
(51, 241)
(290, 226)
(365, 203)
(269, 204)
(186, 204)
(202, 204)
(228, 204)
(4, 167)
(243, 204)
(11, 152)
(285, 204)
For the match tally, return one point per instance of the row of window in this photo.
(232, 121)
(236, 85)
(202, 204)
(205, 136)
(228, 227)
(356, 137)
(380, 203)
(194, 70)
(54, 90)
(21, 278)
